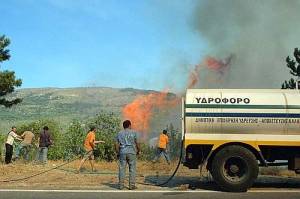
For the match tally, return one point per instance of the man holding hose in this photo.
(89, 146)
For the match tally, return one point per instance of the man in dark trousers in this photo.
(11, 136)
(127, 148)
(45, 141)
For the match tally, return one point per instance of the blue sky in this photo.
(73, 43)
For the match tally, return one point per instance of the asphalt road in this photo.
(73, 194)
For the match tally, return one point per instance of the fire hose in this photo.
(174, 172)
(43, 172)
(76, 158)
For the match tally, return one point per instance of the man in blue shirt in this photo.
(127, 148)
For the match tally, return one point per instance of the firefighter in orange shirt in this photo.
(89, 146)
(162, 147)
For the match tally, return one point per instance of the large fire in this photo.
(140, 111)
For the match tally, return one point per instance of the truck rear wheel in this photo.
(234, 168)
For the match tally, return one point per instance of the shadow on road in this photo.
(112, 185)
(277, 182)
(206, 183)
(183, 183)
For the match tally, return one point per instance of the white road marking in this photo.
(276, 191)
(103, 191)
(144, 191)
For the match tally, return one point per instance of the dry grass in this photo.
(277, 171)
(106, 174)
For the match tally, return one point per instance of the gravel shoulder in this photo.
(106, 177)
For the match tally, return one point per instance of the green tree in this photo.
(74, 139)
(294, 66)
(8, 80)
(108, 125)
(56, 151)
(2, 147)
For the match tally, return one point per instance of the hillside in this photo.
(66, 104)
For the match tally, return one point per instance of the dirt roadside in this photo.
(106, 177)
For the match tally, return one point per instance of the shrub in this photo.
(148, 153)
(174, 142)
(108, 125)
(57, 150)
(69, 143)
(74, 138)
(2, 149)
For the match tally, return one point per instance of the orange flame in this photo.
(140, 111)
(211, 63)
(217, 65)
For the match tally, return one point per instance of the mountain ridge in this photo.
(66, 104)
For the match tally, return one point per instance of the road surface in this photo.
(77, 194)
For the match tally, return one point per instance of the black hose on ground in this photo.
(176, 169)
(37, 174)
(173, 174)
(180, 157)
(43, 172)
(161, 184)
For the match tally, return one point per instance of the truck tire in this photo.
(234, 168)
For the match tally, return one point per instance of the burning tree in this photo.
(294, 66)
(8, 80)
(141, 110)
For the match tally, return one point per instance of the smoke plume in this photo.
(218, 67)
(259, 33)
(248, 41)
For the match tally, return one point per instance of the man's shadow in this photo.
(182, 182)
(207, 183)
(112, 185)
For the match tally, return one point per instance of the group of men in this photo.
(27, 140)
(127, 146)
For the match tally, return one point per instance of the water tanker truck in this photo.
(234, 131)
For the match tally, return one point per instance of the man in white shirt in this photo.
(9, 144)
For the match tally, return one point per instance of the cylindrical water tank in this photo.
(242, 111)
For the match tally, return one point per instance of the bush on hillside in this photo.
(68, 143)
(74, 138)
(108, 125)
(56, 151)
(2, 149)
